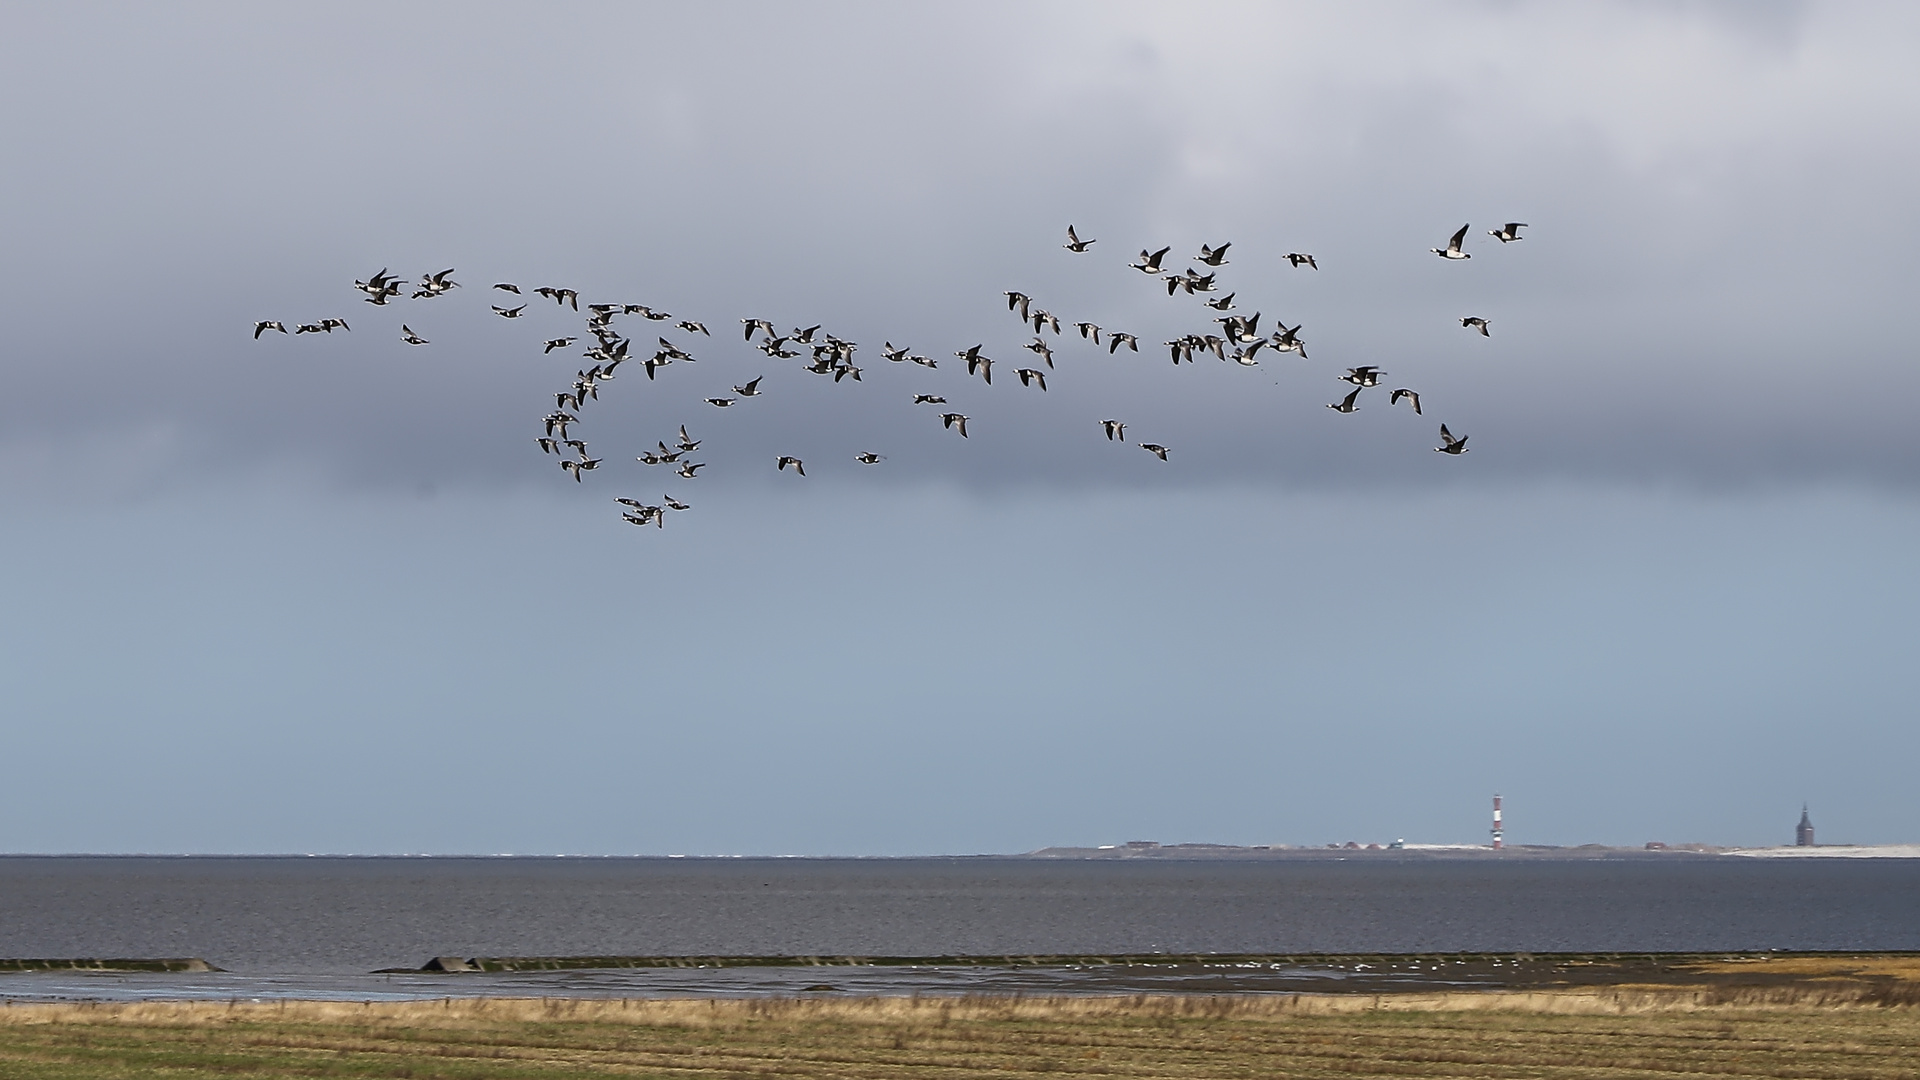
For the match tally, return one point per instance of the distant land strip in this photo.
(1890, 977)
(189, 963)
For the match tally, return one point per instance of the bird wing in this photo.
(1458, 238)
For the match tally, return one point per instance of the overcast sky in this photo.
(324, 593)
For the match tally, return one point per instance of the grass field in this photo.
(1614, 1034)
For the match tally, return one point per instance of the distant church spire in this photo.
(1803, 833)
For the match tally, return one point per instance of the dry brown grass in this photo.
(1612, 1033)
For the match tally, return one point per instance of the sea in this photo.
(321, 927)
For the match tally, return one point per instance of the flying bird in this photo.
(1115, 339)
(1449, 444)
(1475, 322)
(752, 389)
(1213, 256)
(720, 402)
(1155, 449)
(1296, 258)
(1029, 376)
(693, 327)
(950, 419)
(1452, 250)
(1403, 392)
(674, 504)
(508, 313)
(1075, 244)
(1019, 301)
(1039, 347)
(688, 468)
(1088, 330)
(557, 343)
(1347, 403)
(407, 335)
(784, 461)
(929, 399)
(507, 286)
(1362, 376)
(977, 364)
(1116, 430)
(1507, 234)
(869, 458)
(1150, 261)
(1221, 303)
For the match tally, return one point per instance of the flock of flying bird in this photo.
(1239, 339)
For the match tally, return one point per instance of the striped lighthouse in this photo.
(1498, 837)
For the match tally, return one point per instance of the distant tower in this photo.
(1498, 836)
(1803, 832)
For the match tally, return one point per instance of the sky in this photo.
(324, 593)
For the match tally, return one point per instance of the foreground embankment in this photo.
(1824, 1030)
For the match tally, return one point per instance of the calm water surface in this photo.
(295, 922)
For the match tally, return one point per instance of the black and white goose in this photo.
(953, 419)
(929, 399)
(265, 325)
(1452, 250)
(1150, 261)
(557, 343)
(1075, 244)
(1346, 404)
(751, 389)
(1020, 302)
(1509, 232)
(1030, 376)
(1116, 430)
(1449, 444)
(407, 335)
(1412, 398)
(1475, 322)
(1297, 259)
(781, 463)
(1221, 303)
(1155, 449)
(1367, 375)
(868, 458)
(1039, 347)
(508, 313)
(977, 364)
(1213, 256)
(1088, 330)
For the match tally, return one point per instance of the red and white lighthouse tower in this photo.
(1498, 838)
